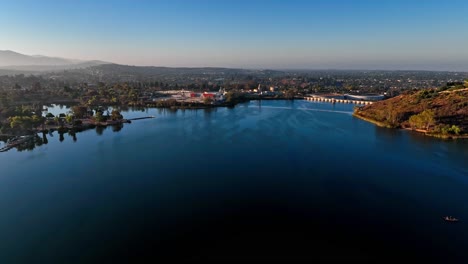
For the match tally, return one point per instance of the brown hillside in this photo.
(448, 108)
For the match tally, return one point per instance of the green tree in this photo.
(99, 117)
(37, 120)
(92, 101)
(115, 115)
(447, 129)
(23, 122)
(422, 120)
(455, 129)
(69, 118)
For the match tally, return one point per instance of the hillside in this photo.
(439, 112)
(32, 69)
(11, 58)
(16, 63)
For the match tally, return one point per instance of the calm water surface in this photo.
(277, 180)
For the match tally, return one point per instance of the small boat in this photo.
(450, 219)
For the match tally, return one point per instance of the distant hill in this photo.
(50, 68)
(439, 112)
(11, 58)
(112, 73)
(117, 69)
(12, 62)
(15, 63)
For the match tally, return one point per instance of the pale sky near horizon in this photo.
(364, 34)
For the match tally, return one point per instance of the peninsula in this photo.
(441, 112)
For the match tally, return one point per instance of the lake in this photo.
(266, 180)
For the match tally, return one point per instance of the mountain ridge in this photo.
(12, 60)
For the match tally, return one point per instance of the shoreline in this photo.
(375, 122)
(91, 124)
(71, 129)
(423, 132)
(198, 105)
(88, 124)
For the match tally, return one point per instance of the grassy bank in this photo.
(375, 122)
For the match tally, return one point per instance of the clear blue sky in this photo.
(380, 34)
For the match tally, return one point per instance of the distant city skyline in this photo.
(387, 35)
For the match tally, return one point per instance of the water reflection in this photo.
(72, 134)
(132, 109)
(117, 128)
(43, 138)
(3, 139)
(56, 109)
(61, 137)
(387, 133)
(100, 130)
(34, 142)
(440, 144)
(207, 112)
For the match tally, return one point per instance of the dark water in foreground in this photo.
(278, 180)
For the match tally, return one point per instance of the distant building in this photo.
(208, 95)
(216, 96)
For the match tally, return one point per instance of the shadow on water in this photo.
(388, 133)
(61, 137)
(100, 130)
(208, 112)
(428, 141)
(29, 145)
(133, 109)
(117, 128)
(72, 134)
(43, 139)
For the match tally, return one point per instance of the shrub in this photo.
(449, 130)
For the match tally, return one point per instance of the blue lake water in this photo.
(271, 180)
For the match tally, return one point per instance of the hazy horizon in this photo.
(362, 35)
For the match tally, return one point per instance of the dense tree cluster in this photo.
(422, 120)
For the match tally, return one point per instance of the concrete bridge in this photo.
(334, 100)
(364, 97)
